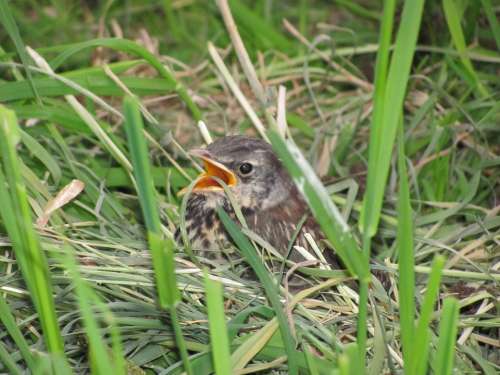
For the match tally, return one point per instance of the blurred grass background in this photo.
(419, 192)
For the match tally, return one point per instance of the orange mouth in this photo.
(206, 180)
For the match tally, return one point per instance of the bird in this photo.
(270, 202)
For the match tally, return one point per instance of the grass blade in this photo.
(141, 165)
(8, 362)
(331, 221)
(387, 121)
(349, 361)
(418, 359)
(453, 20)
(17, 218)
(43, 155)
(269, 285)
(217, 324)
(265, 35)
(162, 249)
(493, 20)
(99, 353)
(135, 49)
(311, 361)
(98, 84)
(11, 326)
(406, 285)
(377, 124)
(368, 214)
(175, 27)
(443, 363)
(324, 210)
(476, 356)
(86, 116)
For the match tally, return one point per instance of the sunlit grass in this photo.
(395, 105)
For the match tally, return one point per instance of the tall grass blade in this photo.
(269, 285)
(16, 215)
(418, 359)
(324, 210)
(147, 197)
(390, 90)
(406, 285)
(134, 128)
(387, 121)
(376, 136)
(218, 329)
(453, 20)
(162, 249)
(443, 363)
(331, 221)
(100, 356)
(377, 124)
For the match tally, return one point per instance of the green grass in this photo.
(447, 334)
(218, 330)
(269, 285)
(406, 257)
(16, 217)
(394, 103)
(103, 360)
(161, 248)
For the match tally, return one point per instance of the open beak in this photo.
(205, 181)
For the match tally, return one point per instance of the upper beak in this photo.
(205, 181)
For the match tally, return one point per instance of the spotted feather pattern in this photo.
(270, 202)
(275, 225)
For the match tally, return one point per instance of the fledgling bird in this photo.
(269, 200)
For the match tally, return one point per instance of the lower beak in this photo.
(206, 181)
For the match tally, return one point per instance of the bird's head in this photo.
(248, 166)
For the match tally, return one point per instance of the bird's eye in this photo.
(246, 168)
